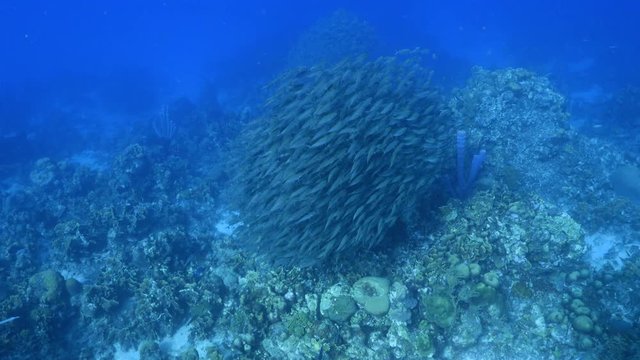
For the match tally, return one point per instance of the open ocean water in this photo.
(190, 179)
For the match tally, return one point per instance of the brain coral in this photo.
(339, 157)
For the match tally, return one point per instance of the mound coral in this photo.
(340, 156)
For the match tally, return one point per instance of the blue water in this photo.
(125, 180)
(105, 54)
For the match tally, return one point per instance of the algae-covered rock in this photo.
(131, 169)
(73, 286)
(190, 354)
(43, 172)
(401, 303)
(585, 343)
(474, 269)
(439, 309)
(424, 346)
(579, 308)
(341, 308)
(372, 293)
(336, 304)
(467, 332)
(48, 287)
(150, 350)
(409, 343)
(484, 294)
(299, 323)
(582, 323)
(48, 304)
(491, 278)
(556, 316)
(462, 271)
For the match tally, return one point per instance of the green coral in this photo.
(491, 278)
(372, 293)
(298, 323)
(582, 323)
(73, 286)
(424, 346)
(339, 158)
(337, 304)
(439, 309)
(190, 354)
(150, 350)
(48, 287)
(484, 294)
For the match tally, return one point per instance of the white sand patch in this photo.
(226, 225)
(75, 274)
(174, 346)
(608, 249)
(122, 354)
(91, 159)
(177, 343)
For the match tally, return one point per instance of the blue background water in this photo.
(123, 58)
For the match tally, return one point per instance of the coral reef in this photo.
(519, 118)
(136, 253)
(92, 249)
(522, 122)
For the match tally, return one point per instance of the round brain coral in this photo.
(339, 157)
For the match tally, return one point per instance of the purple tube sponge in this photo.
(465, 183)
(461, 138)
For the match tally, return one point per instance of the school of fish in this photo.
(340, 156)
